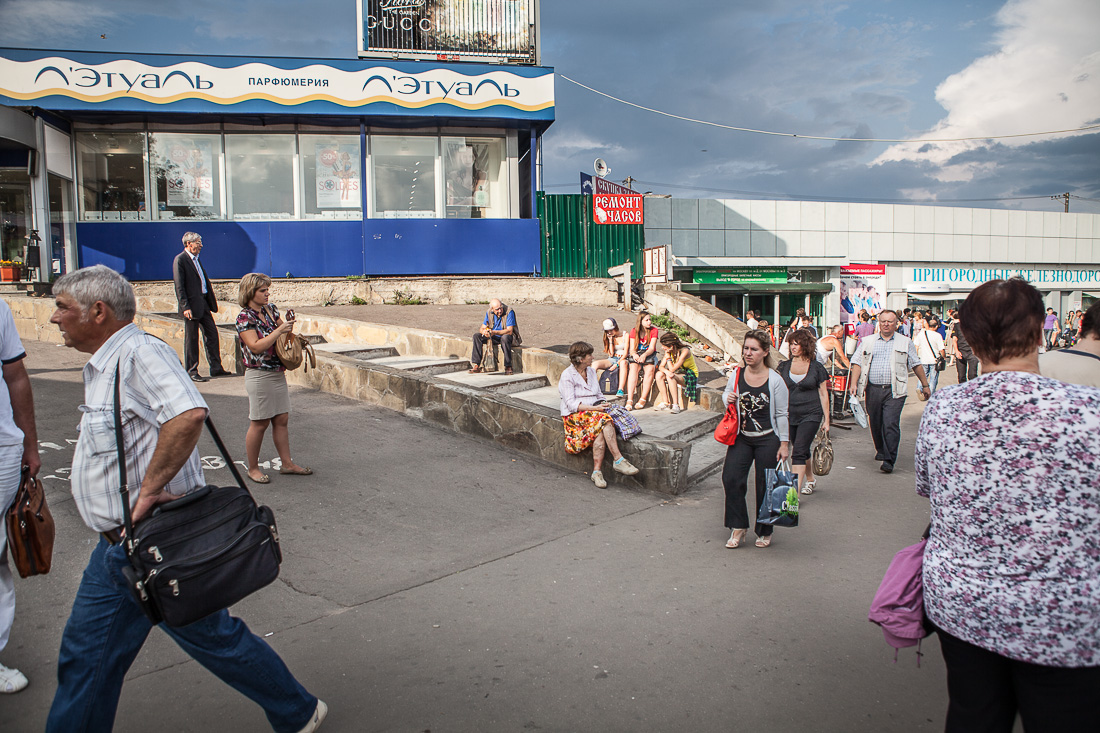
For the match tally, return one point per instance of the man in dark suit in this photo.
(197, 305)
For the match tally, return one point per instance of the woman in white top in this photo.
(614, 345)
(584, 415)
(763, 435)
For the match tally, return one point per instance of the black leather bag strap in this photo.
(124, 488)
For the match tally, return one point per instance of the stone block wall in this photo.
(159, 296)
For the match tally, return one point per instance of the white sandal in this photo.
(809, 487)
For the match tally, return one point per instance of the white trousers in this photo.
(11, 461)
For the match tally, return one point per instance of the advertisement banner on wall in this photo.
(740, 275)
(862, 287)
(951, 279)
(338, 177)
(190, 171)
(449, 30)
(87, 80)
(612, 203)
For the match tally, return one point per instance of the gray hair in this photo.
(189, 237)
(99, 282)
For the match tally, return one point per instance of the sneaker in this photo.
(660, 406)
(625, 467)
(675, 409)
(317, 718)
(598, 479)
(11, 680)
(620, 393)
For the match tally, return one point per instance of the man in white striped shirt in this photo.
(162, 417)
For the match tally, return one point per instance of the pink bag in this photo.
(898, 605)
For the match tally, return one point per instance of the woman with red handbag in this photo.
(762, 438)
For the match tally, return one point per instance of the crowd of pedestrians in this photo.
(1008, 460)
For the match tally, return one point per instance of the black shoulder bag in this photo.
(200, 553)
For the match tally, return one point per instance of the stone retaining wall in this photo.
(520, 425)
(159, 296)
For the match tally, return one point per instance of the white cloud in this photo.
(1043, 75)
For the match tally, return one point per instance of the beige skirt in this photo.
(268, 395)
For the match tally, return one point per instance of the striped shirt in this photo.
(155, 389)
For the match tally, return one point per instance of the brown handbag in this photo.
(293, 351)
(30, 529)
(822, 458)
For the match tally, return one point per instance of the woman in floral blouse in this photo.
(259, 327)
(1012, 566)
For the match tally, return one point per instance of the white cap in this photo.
(609, 324)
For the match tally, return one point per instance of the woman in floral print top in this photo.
(1012, 567)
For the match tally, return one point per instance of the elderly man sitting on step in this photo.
(500, 327)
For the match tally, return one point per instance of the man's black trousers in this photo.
(884, 419)
(505, 342)
(191, 344)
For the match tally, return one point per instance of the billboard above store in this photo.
(492, 31)
(946, 279)
(740, 275)
(103, 81)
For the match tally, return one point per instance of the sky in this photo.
(921, 71)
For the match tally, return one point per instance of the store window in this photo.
(111, 168)
(475, 185)
(403, 175)
(62, 220)
(260, 173)
(15, 212)
(185, 173)
(331, 180)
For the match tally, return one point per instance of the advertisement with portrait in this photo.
(338, 177)
(862, 287)
(188, 164)
(449, 30)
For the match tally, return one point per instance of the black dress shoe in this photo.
(222, 373)
(886, 468)
(199, 378)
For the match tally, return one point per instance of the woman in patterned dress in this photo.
(259, 326)
(584, 415)
(1012, 566)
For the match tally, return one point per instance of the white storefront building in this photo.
(776, 256)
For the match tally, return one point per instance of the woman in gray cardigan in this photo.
(761, 397)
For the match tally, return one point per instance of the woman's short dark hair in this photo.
(578, 351)
(761, 337)
(1090, 322)
(1003, 319)
(806, 342)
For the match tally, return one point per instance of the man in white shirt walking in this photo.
(18, 452)
(163, 415)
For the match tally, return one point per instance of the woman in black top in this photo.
(807, 383)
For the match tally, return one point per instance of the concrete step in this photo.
(498, 381)
(357, 351)
(685, 426)
(423, 364)
(707, 456)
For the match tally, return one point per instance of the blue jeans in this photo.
(933, 376)
(106, 630)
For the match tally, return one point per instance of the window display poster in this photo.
(467, 176)
(338, 177)
(861, 287)
(190, 172)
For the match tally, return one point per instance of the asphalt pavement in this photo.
(434, 582)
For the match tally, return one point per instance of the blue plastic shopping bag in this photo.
(780, 504)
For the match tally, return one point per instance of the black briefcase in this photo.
(201, 553)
